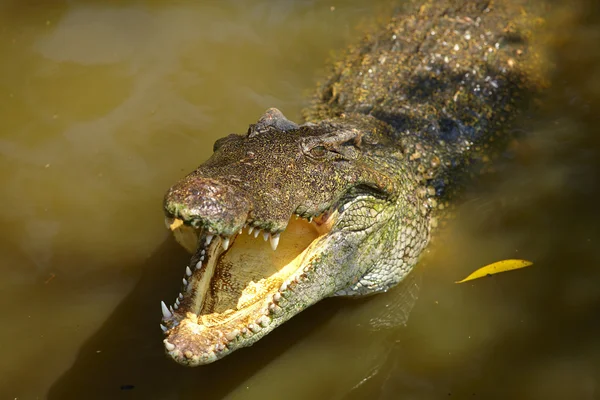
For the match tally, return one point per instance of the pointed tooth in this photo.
(184, 282)
(169, 346)
(256, 233)
(165, 311)
(180, 296)
(177, 301)
(232, 335)
(225, 244)
(240, 231)
(274, 241)
(171, 309)
(199, 264)
(250, 230)
(163, 328)
(176, 307)
(309, 220)
(265, 235)
(203, 252)
(209, 239)
(188, 271)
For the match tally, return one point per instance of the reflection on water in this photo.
(104, 105)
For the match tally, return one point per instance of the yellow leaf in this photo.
(497, 267)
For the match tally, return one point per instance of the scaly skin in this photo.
(405, 118)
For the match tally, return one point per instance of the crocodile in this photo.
(347, 201)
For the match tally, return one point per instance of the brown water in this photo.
(105, 104)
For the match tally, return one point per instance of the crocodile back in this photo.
(449, 78)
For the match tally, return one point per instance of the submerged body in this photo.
(349, 199)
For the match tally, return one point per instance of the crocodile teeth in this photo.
(165, 311)
(225, 244)
(209, 239)
(199, 264)
(256, 233)
(184, 282)
(171, 309)
(188, 271)
(232, 335)
(265, 235)
(163, 328)
(274, 241)
(180, 296)
(169, 346)
(250, 230)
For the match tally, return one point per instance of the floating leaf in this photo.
(497, 267)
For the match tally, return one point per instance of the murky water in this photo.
(105, 104)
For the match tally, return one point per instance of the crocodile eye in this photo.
(318, 151)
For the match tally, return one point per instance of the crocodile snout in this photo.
(206, 202)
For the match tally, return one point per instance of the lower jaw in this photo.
(193, 343)
(243, 299)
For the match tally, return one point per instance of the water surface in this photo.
(105, 104)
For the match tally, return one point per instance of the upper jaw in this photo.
(267, 228)
(194, 229)
(223, 206)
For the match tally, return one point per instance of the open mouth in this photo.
(234, 286)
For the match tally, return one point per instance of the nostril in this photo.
(195, 192)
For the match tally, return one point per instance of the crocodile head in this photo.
(314, 193)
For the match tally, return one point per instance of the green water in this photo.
(105, 104)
